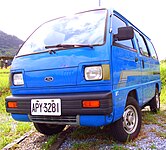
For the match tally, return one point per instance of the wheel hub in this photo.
(130, 119)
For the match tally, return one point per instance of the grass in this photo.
(85, 145)
(153, 147)
(9, 129)
(51, 140)
(100, 133)
(151, 118)
(4, 71)
(4, 80)
(91, 137)
(161, 134)
(163, 95)
(163, 80)
(163, 72)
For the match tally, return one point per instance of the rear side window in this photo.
(151, 49)
(116, 23)
(141, 43)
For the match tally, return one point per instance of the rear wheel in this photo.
(155, 102)
(49, 129)
(128, 126)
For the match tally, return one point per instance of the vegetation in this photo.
(9, 44)
(163, 80)
(88, 137)
(51, 140)
(151, 118)
(4, 81)
(9, 129)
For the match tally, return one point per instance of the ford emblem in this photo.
(48, 79)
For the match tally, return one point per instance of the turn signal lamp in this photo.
(91, 103)
(12, 104)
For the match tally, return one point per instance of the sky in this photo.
(22, 17)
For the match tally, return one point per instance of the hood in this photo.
(61, 68)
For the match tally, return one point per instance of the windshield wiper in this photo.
(68, 46)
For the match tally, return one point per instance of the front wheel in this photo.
(49, 129)
(128, 126)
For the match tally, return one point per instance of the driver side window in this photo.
(116, 23)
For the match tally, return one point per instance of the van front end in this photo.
(62, 75)
(73, 95)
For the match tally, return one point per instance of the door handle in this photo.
(143, 64)
(136, 59)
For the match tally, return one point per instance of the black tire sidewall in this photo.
(49, 129)
(153, 102)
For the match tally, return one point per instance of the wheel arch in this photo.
(157, 86)
(133, 93)
(119, 106)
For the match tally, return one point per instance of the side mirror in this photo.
(124, 33)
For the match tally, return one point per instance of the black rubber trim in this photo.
(71, 103)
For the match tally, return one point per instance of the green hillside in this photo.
(9, 44)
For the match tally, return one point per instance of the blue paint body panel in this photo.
(92, 120)
(21, 117)
(95, 120)
(129, 72)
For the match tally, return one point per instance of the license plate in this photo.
(50, 107)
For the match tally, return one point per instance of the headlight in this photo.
(18, 79)
(93, 73)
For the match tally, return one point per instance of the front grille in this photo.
(70, 120)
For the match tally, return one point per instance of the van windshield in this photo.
(87, 28)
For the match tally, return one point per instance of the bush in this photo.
(163, 80)
(163, 72)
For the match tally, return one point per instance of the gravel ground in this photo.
(147, 140)
(33, 142)
(152, 136)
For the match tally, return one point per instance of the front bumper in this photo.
(71, 105)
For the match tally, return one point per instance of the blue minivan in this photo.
(94, 68)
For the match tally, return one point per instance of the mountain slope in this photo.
(9, 44)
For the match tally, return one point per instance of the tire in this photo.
(128, 126)
(155, 102)
(49, 129)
